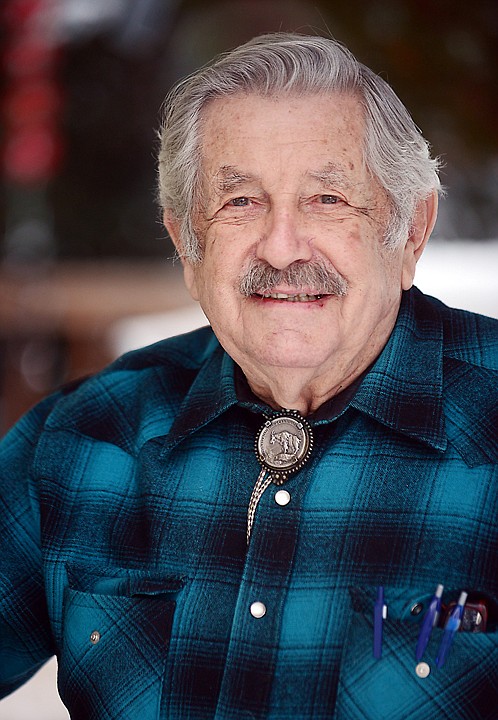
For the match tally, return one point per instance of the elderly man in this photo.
(288, 515)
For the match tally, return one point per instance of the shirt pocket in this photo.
(397, 685)
(116, 633)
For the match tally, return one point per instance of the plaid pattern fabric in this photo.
(123, 507)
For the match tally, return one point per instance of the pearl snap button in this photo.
(423, 670)
(282, 497)
(258, 609)
(95, 637)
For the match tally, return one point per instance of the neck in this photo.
(297, 389)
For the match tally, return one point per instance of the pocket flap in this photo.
(125, 582)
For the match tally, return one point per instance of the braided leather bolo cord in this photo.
(262, 483)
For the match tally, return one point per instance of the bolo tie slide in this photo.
(283, 445)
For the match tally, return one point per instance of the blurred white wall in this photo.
(462, 274)
(37, 700)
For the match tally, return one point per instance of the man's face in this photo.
(284, 185)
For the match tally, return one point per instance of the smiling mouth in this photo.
(299, 298)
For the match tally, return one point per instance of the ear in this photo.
(423, 224)
(172, 225)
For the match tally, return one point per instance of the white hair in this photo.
(395, 151)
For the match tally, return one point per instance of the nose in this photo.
(284, 241)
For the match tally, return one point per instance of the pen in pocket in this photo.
(431, 618)
(380, 614)
(451, 627)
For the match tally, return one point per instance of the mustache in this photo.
(260, 278)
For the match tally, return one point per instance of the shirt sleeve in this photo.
(25, 637)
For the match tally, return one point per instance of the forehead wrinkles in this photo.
(228, 178)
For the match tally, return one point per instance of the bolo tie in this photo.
(283, 445)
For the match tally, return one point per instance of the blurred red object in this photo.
(32, 102)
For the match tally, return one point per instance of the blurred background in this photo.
(86, 269)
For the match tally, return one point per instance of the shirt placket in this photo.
(254, 640)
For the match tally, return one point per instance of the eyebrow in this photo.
(331, 175)
(228, 178)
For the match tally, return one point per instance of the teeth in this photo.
(301, 297)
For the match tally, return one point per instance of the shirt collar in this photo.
(402, 390)
(211, 394)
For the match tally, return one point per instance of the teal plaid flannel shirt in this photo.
(123, 504)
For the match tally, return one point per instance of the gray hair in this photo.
(395, 151)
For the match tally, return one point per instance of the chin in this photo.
(295, 359)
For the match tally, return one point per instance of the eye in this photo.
(238, 202)
(329, 199)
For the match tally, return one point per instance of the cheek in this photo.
(369, 270)
(217, 282)
(349, 255)
(216, 245)
(224, 259)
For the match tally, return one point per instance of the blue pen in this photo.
(452, 624)
(380, 614)
(430, 619)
